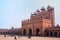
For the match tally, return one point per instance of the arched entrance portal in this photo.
(37, 32)
(24, 32)
(51, 34)
(59, 34)
(30, 32)
(55, 34)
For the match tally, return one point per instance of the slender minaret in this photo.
(52, 15)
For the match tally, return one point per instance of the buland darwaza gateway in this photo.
(41, 23)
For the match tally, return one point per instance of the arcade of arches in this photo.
(52, 33)
(47, 33)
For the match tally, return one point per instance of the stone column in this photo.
(57, 34)
(49, 34)
(27, 32)
(53, 34)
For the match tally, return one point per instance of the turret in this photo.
(38, 10)
(49, 8)
(51, 14)
(42, 9)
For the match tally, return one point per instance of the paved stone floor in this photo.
(26, 38)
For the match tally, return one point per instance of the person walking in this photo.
(15, 38)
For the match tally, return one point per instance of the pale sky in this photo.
(12, 12)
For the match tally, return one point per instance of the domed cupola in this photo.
(42, 9)
(48, 7)
(37, 10)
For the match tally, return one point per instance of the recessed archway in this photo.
(37, 32)
(51, 34)
(30, 32)
(55, 34)
(59, 34)
(24, 32)
(47, 34)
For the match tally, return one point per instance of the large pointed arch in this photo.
(37, 32)
(24, 32)
(30, 32)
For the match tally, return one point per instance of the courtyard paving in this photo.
(26, 38)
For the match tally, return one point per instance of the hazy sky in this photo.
(12, 12)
